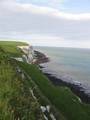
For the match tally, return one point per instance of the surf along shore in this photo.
(76, 89)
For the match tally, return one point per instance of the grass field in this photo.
(62, 97)
(16, 100)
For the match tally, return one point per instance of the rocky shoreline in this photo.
(76, 89)
(40, 57)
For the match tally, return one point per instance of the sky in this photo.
(59, 23)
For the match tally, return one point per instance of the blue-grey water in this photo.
(70, 64)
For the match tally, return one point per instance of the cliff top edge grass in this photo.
(10, 48)
(14, 43)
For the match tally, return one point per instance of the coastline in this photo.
(40, 57)
(76, 89)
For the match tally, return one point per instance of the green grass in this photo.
(62, 97)
(16, 101)
(11, 48)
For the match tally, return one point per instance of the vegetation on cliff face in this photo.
(64, 100)
(16, 100)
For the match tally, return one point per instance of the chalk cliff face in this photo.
(28, 53)
(32, 56)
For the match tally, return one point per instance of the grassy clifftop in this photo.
(16, 100)
(10, 47)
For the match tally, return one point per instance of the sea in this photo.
(72, 65)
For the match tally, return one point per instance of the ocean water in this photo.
(70, 64)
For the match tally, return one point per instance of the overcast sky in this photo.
(64, 23)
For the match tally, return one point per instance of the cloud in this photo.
(22, 20)
(30, 8)
(52, 12)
